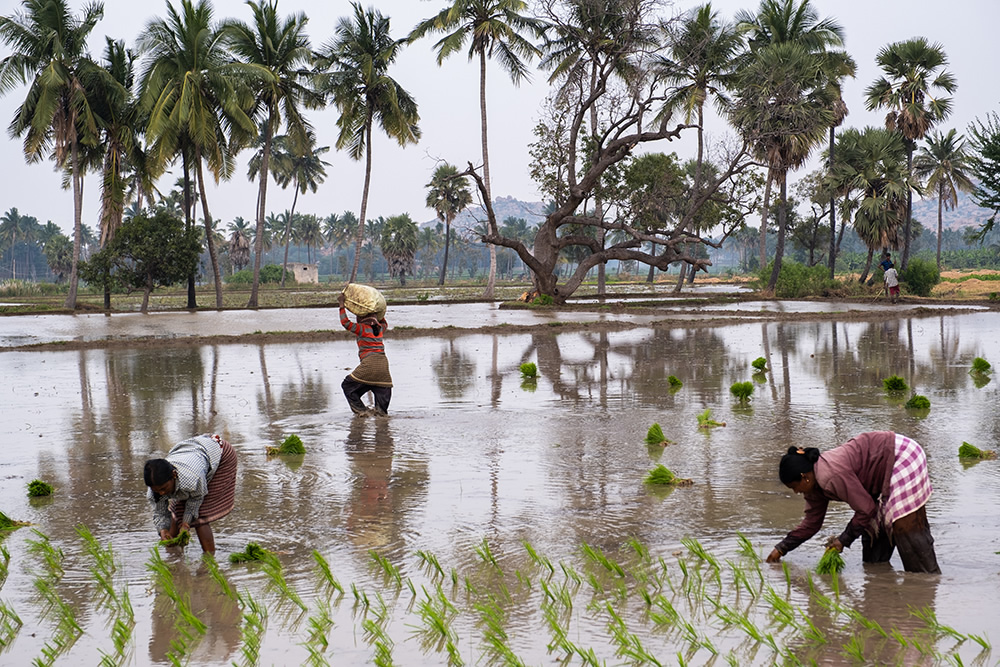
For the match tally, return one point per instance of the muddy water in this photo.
(473, 467)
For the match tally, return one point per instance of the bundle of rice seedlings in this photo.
(38, 488)
(742, 391)
(663, 476)
(654, 436)
(918, 402)
(895, 384)
(705, 419)
(760, 363)
(529, 370)
(6, 523)
(253, 552)
(967, 451)
(831, 562)
(675, 382)
(182, 540)
(980, 365)
(290, 445)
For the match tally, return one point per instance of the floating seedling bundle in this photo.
(674, 382)
(529, 370)
(760, 364)
(37, 488)
(967, 451)
(664, 476)
(980, 365)
(289, 446)
(253, 552)
(705, 419)
(918, 402)
(742, 391)
(895, 385)
(182, 539)
(831, 562)
(654, 436)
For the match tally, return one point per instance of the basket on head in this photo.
(364, 300)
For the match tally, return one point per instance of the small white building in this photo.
(304, 273)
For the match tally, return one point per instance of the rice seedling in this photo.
(483, 551)
(164, 578)
(918, 402)
(898, 636)
(252, 552)
(742, 391)
(629, 645)
(864, 621)
(218, 577)
(8, 524)
(326, 574)
(431, 563)
(10, 624)
(981, 640)
(927, 615)
(781, 609)
(654, 436)
(663, 476)
(854, 649)
(272, 568)
(696, 549)
(37, 488)
(538, 559)
(674, 382)
(570, 573)
(289, 446)
(967, 451)
(705, 419)
(597, 556)
(760, 364)
(980, 365)
(4, 563)
(182, 539)
(319, 625)
(390, 571)
(830, 563)
(51, 556)
(252, 630)
(529, 370)
(811, 632)
(746, 547)
(895, 385)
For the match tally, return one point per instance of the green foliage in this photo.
(742, 390)
(146, 252)
(967, 451)
(920, 276)
(980, 365)
(831, 562)
(253, 552)
(290, 445)
(38, 488)
(182, 540)
(675, 382)
(918, 402)
(705, 419)
(895, 384)
(654, 436)
(760, 363)
(543, 300)
(270, 273)
(797, 280)
(6, 523)
(529, 370)
(661, 475)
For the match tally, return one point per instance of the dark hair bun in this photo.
(812, 454)
(793, 450)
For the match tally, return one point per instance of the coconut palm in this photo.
(297, 162)
(373, 239)
(276, 52)
(399, 245)
(191, 92)
(48, 51)
(354, 68)
(239, 243)
(494, 29)
(913, 89)
(448, 195)
(310, 233)
(943, 165)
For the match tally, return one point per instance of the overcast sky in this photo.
(448, 98)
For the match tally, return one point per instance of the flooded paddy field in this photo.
(492, 521)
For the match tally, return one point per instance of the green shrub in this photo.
(742, 390)
(760, 363)
(271, 273)
(918, 402)
(980, 365)
(797, 280)
(920, 276)
(38, 488)
(895, 384)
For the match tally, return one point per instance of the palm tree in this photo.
(276, 52)
(493, 29)
(448, 195)
(190, 90)
(310, 233)
(912, 89)
(48, 46)
(297, 162)
(944, 166)
(790, 36)
(373, 238)
(399, 245)
(700, 62)
(239, 243)
(355, 66)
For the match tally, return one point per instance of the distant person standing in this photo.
(886, 262)
(372, 374)
(891, 283)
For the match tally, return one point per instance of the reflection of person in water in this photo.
(370, 509)
(372, 374)
(192, 487)
(883, 477)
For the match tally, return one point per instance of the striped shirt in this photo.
(368, 340)
(195, 460)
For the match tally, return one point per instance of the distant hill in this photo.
(503, 207)
(966, 214)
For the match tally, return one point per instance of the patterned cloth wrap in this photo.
(373, 370)
(221, 495)
(909, 486)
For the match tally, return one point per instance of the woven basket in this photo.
(364, 300)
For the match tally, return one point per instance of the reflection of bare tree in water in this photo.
(698, 356)
(454, 372)
(383, 494)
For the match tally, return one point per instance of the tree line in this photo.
(197, 91)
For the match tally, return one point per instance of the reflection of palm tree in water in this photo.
(454, 371)
(306, 396)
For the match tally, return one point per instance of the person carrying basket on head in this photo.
(372, 374)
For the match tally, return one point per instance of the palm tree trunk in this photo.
(74, 277)
(288, 233)
(364, 197)
(447, 242)
(940, 222)
(909, 207)
(779, 246)
(209, 233)
(192, 298)
(258, 242)
(763, 221)
(868, 266)
(491, 227)
(833, 217)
